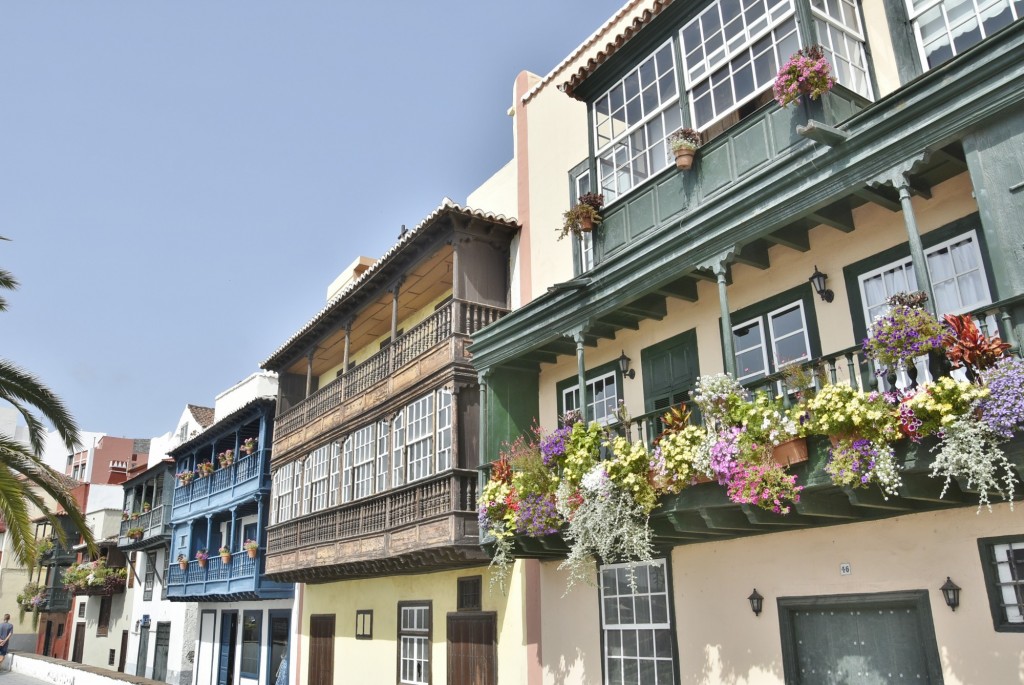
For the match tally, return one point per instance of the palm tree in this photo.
(24, 477)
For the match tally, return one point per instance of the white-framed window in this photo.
(946, 28)
(297, 487)
(281, 509)
(414, 643)
(632, 121)
(359, 462)
(383, 454)
(602, 398)
(317, 479)
(732, 52)
(957, 273)
(420, 438)
(786, 342)
(444, 429)
(841, 33)
(1004, 578)
(583, 187)
(636, 627)
(398, 450)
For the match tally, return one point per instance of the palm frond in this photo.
(18, 385)
(14, 508)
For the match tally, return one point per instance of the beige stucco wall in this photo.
(721, 642)
(375, 661)
(498, 193)
(876, 229)
(876, 27)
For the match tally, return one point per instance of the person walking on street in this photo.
(6, 630)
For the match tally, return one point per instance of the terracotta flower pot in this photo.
(225, 558)
(790, 452)
(252, 553)
(684, 159)
(183, 565)
(586, 224)
(202, 563)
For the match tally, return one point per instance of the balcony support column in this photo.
(348, 343)
(577, 336)
(483, 378)
(394, 311)
(259, 538)
(209, 531)
(719, 265)
(309, 373)
(231, 533)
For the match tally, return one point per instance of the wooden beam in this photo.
(540, 357)
(871, 498)
(921, 487)
(883, 198)
(691, 522)
(683, 288)
(559, 347)
(919, 186)
(755, 254)
(621, 320)
(762, 517)
(822, 505)
(604, 331)
(837, 216)
(944, 156)
(823, 133)
(727, 518)
(648, 307)
(793, 236)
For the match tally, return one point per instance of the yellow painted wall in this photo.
(376, 660)
(876, 230)
(721, 642)
(367, 351)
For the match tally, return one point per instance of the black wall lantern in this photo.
(817, 280)
(756, 602)
(951, 593)
(624, 366)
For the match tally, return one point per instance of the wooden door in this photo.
(321, 650)
(140, 664)
(124, 651)
(228, 639)
(472, 648)
(76, 654)
(163, 645)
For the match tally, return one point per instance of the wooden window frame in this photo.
(992, 582)
(428, 634)
(469, 585)
(364, 624)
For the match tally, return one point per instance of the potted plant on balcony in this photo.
(684, 143)
(204, 469)
(185, 477)
(249, 445)
(201, 557)
(44, 547)
(135, 533)
(182, 562)
(226, 458)
(146, 507)
(251, 547)
(904, 332)
(225, 555)
(583, 216)
(94, 578)
(807, 72)
(134, 516)
(31, 597)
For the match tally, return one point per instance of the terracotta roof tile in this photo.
(202, 415)
(634, 27)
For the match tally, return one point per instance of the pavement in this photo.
(15, 678)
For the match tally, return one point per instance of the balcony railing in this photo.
(242, 473)
(455, 318)
(57, 599)
(154, 524)
(240, 567)
(416, 503)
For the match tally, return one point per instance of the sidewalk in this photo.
(15, 678)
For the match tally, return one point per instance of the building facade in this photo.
(219, 508)
(907, 175)
(375, 451)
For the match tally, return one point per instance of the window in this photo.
(252, 633)
(317, 493)
(357, 479)
(469, 593)
(636, 629)
(839, 29)
(1003, 562)
(383, 432)
(420, 437)
(364, 624)
(945, 28)
(444, 430)
(150, 577)
(759, 354)
(103, 623)
(602, 398)
(730, 54)
(956, 271)
(414, 643)
(585, 246)
(398, 450)
(631, 122)
(81, 608)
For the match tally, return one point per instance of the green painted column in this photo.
(581, 374)
(924, 282)
(723, 303)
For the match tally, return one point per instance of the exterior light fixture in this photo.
(624, 366)
(756, 602)
(951, 593)
(818, 279)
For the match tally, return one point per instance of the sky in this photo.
(180, 181)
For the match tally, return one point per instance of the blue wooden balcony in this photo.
(247, 476)
(239, 579)
(154, 526)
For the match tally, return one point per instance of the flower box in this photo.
(790, 452)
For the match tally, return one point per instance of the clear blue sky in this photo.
(182, 180)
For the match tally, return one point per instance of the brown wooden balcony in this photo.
(424, 526)
(437, 342)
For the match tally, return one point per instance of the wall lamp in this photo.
(624, 366)
(756, 602)
(951, 593)
(818, 279)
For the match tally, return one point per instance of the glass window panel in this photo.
(647, 674)
(629, 642)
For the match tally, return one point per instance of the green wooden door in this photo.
(670, 371)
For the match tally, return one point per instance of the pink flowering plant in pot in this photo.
(806, 73)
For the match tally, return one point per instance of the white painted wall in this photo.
(260, 384)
